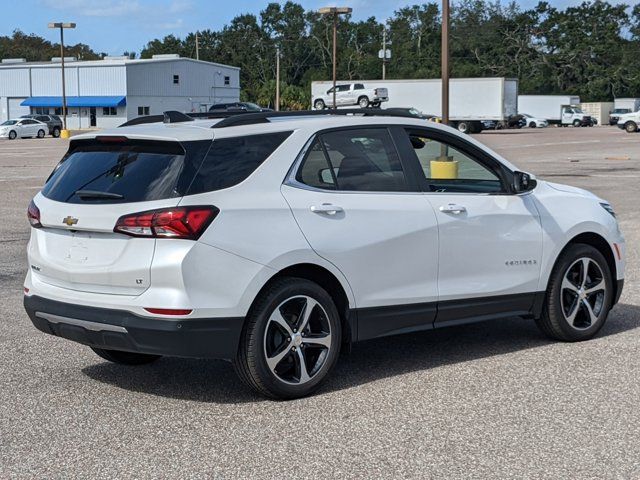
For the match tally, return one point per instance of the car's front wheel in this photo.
(12, 135)
(291, 339)
(631, 127)
(579, 295)
(532, 125)
(125, 358)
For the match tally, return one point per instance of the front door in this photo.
(92, 116)
(360, 210)
(490, 245)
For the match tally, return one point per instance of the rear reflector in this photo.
(26, 290)
(179, 222)
(33, 214)
(168, 311)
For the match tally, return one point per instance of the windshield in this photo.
(9, 122)
(526, 115)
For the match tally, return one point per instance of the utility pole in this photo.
(62, 26)
(384, 53)
(445, 61)
(197, 48)
(335, 11)
(277, 79)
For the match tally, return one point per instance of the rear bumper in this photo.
(122, 330)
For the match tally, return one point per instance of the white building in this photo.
(106, 93)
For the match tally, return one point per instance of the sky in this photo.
(115, 26)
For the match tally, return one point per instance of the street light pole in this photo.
(62, 26)
(445, 61)
(335, 11)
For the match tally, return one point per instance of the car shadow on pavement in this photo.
(214, 381)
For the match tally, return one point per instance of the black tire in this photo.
(463, 127)
(41, 134)
(363, 101)
(630, 127)
(532, 125)
(125, 358)
(55, 133)
(319, 104)
(559, 300)
(251, 361)
(577, 123)
(12, 135)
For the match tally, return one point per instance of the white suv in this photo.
(272, 239)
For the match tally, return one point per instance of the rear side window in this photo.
(132, 171)
(231, 160)
(362, 160)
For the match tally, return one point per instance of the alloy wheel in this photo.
(297, 340)
(583, 293)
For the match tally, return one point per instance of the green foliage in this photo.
(591, 49)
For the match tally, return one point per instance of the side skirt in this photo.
(375, 322)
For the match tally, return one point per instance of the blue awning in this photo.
(109, 101)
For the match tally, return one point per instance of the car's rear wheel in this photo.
(41, 133)
(363, 102)
(125, 358)
(12, 135)
(55, 133)
(464, 127)
(577, 123)
(319, 105)
(631, 127)
(291, 339)
(579, 295)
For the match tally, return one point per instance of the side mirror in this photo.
(523, 182)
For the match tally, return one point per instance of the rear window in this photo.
(138, 171)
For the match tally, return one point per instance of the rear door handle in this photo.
(327, 208)
(452, 208)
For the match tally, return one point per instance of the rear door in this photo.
(94, 185)
(359, 208)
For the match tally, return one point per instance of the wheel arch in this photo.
(598, 242)
(329, 282)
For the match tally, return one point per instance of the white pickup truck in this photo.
(348, 94)
(630, 122)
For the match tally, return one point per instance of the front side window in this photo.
(362, 160)
(470, 175)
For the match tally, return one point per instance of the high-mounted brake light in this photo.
(179, 222)
(33, 214)
(111, 139)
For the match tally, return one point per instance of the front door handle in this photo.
(453, 208)
(327, 208)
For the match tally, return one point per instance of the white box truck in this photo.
(632, 104)
(471, 100)
(560, 110)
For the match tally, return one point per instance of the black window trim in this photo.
(473, 152)
(413, 187)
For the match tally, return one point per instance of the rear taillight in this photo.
(179, 222)
(33, 214)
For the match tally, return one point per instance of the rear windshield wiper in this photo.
(89, 194)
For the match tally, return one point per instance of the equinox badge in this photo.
(69, 221)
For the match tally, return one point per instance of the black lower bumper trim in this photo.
(619, 288)
(196, 338)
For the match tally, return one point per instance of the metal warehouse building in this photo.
(105, 93)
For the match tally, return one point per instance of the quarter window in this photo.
(354, 160)
(469, 175)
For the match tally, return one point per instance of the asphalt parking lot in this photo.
(492, 400)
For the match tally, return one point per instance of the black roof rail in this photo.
(173, 116)
(263, 117)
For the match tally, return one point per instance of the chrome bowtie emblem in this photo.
(69, 221)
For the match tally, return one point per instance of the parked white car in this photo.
(533, 122)
(352, 94)
(273, 239)
(23, 127)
